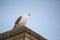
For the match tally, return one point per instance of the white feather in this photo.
(24, 19)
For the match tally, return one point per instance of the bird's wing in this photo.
(18, 20)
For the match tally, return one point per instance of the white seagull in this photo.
(22, 20)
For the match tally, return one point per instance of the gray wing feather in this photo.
(18, 20)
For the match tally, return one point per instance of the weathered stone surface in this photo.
(21, 33)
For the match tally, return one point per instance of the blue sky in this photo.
(45, 19)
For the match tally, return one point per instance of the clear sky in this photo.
(45, 19)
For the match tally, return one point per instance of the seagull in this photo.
(22, 20)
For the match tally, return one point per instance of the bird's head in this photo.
(28, 14)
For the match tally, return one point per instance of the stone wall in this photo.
(22, 36)
(21, 33)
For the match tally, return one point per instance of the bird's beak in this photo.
(29, 14)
